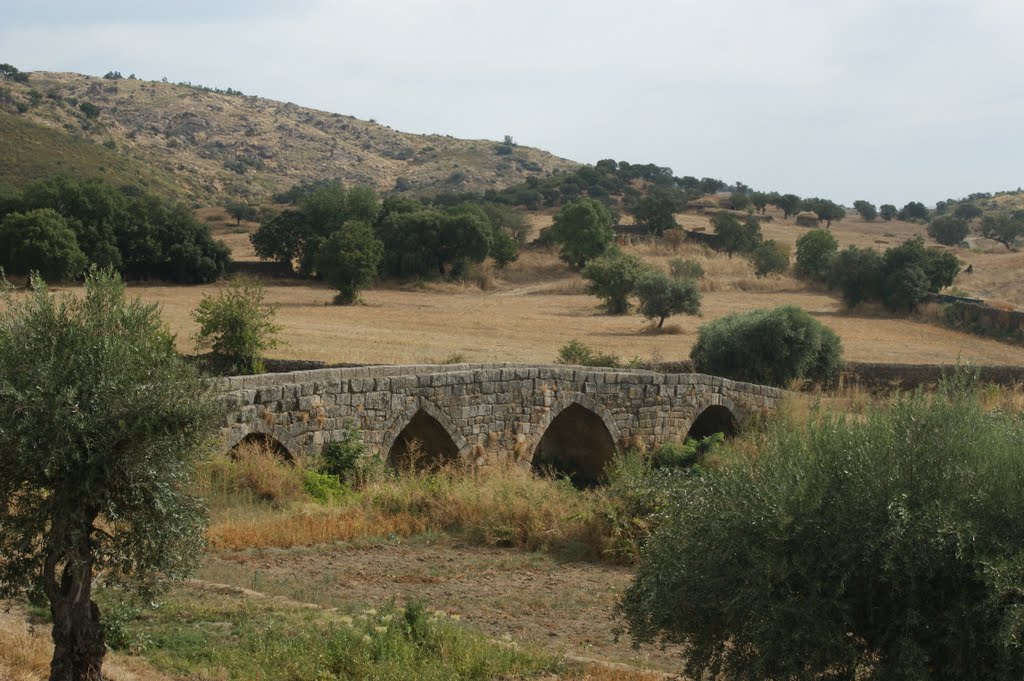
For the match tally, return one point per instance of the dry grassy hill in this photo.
(211, 146)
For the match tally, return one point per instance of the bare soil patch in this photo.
(566, 608)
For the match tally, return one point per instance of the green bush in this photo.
(662, 296)
(681, 268)
(578, 354)
(857, 273)
(613, 277)
(346, 457)
(236, 326)
(321, 486)
(40, 240)
(815, 251)
(885, 546)
(771, 257)
(772, 347)
(948, 229)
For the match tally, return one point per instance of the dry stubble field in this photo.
(537, 305)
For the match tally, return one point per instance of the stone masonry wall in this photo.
(490, 412)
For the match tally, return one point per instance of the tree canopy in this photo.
(101, 423)
(583, 229)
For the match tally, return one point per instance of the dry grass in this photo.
(25, 653)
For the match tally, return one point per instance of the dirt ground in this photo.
(566, 608)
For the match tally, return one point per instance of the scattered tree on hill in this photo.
(8, 71)
(656, 211)
(40, 240)
(104, 488)
(662, 296)
(710, 185)
(770, 257)
(814, 253)
(735, 236)
(90, 110)
(349, 260)
(914, 210)
(237, 327)
(866, 210)
(905, 288)
(583, 229)
(242, 211)
(857, 274)
(825, 209)
(948, 230)
(887, 211)
(1003, 228)
(772, 347)
(281, 237)
(613, 277)
(504, 249)
(760, 200)
(789, 204)
(739, 201)
(967, 211)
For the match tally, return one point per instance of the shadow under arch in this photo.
(428, 438)
(718, 416)
(265, 442)
(577, 443)
(279, 440)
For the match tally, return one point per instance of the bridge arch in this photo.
(276, 437)
(440, 438)
(577, 438)
(715, 414)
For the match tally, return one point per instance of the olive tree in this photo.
(583, 228)
(100, 425)
(236, 327)
(613, 278)
(662, 296)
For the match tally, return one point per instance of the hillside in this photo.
(212, 146)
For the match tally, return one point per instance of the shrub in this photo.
(814, 253)
(347, 459)
(236, 326)
(583, 229)
(613, 277)
(321, 486)
(906, 289)
(857, 273)
(579, 354)
(681, 268)
(735, 236)
(349, 260)
(948, 230)
(771, 257)
(662, 296)
(772, 347)
(885, 546)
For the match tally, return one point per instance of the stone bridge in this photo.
(571, 419)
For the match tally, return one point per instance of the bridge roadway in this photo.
(573, 419)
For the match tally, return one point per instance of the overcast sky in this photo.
(885, 100)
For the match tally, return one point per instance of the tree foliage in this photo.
(888, 211)
(662, 296)
(914, 210)
(879, 547)
(736, 236)
(656, 211)
(1003, 228)
(101, 423)
(613, 278)
(349, 260)
(814, 253)
(789, 204)
(772, 347)
(770, 257)
(827, 210)
(948, 230)
(583, 229)
(857, 274)
(237, 327)
(866, 210)
(40, 240)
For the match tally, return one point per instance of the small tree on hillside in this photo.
(866, 210)
(914, 210)
(857, 274)
(101, 424)
(735, 236)
(237, 327)
(681, 268)
(349, 260)
(662, 296)
(613, 278)
(814, 253)
(583, 229)
(967, 211)
(827, 210)
(771, 257)
(242, 211)
(1005, 229)
(948, 230)
(888, 211)
(789, 204)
